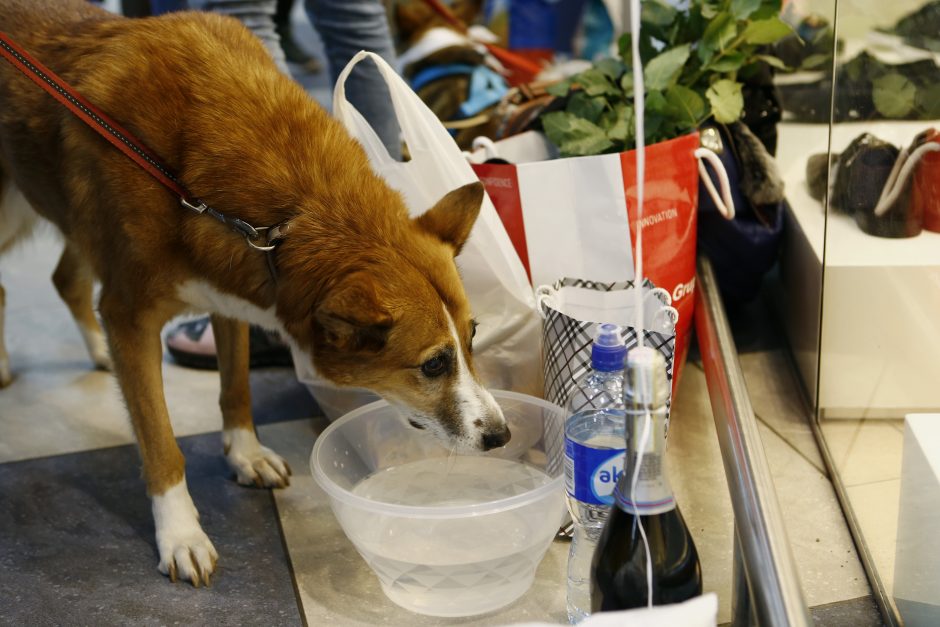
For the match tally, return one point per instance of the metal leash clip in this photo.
(200, 208)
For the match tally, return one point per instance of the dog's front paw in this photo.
(185, 550)
(253, 463)
(188, 556)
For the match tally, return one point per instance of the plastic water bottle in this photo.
(594, 455)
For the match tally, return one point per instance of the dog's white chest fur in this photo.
(203, 297)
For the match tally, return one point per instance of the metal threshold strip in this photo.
(767, 589)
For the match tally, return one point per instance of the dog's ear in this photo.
(452, 218)
(352, 317)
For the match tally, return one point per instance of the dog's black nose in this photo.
(497, 439)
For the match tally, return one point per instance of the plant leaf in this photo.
(814, 61)
(692, 28)
(772, 61)
(709, 10)
(720, 32)
(768, 9)
(626, 84)
(584, 106)
(653, 128)
(611, 68)
(662, 71)
(575, 136)
(625, 46)
(726, 100)
(559, 89)
(656, 102)
(928, 101)
(685, 106)
(731, 62)
(595, 83)
(657, 13)
(766, 31)
(742, 9)
(618, 123)
(894, 95)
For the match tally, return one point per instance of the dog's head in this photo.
(393, 317)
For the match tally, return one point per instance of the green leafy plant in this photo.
(905, 91)
(695, 57)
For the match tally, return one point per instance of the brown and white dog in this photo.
(371, 295)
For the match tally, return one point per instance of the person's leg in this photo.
(159, 7)
(257, 16)
(292, 50)
(282, 16)
(569, 14)
(135, 8)
(346, 27)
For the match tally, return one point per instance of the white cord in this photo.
(898, 179)
(639, 103)
(644, 438)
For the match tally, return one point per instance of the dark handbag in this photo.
(744, 249)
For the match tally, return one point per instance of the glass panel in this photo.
(806, 96)
(879, 334)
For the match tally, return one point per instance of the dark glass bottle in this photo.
(619, 567)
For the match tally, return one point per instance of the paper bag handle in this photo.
(723, 201)
(544, 296)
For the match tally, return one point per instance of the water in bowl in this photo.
(473, 564)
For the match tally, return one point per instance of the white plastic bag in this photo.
(506, 347)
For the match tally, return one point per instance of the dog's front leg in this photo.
(253, 463)
(185, 550)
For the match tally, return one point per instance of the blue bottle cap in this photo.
(608, 351)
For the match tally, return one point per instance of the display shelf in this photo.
(846, 244)
(877, 337)
(917, 570)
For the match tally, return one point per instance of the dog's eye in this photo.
(434, 367)
(473, 328)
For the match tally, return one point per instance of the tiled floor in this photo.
(867, 455)
(76, 537)
(76, 545)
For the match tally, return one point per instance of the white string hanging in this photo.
(639, 103)
(902, 170)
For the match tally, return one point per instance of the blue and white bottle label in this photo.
(591, 474)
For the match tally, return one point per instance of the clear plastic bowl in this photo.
(447, 535)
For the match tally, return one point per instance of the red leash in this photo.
(123, 140)
(91, 115)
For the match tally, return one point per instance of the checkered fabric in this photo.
(566, 342)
